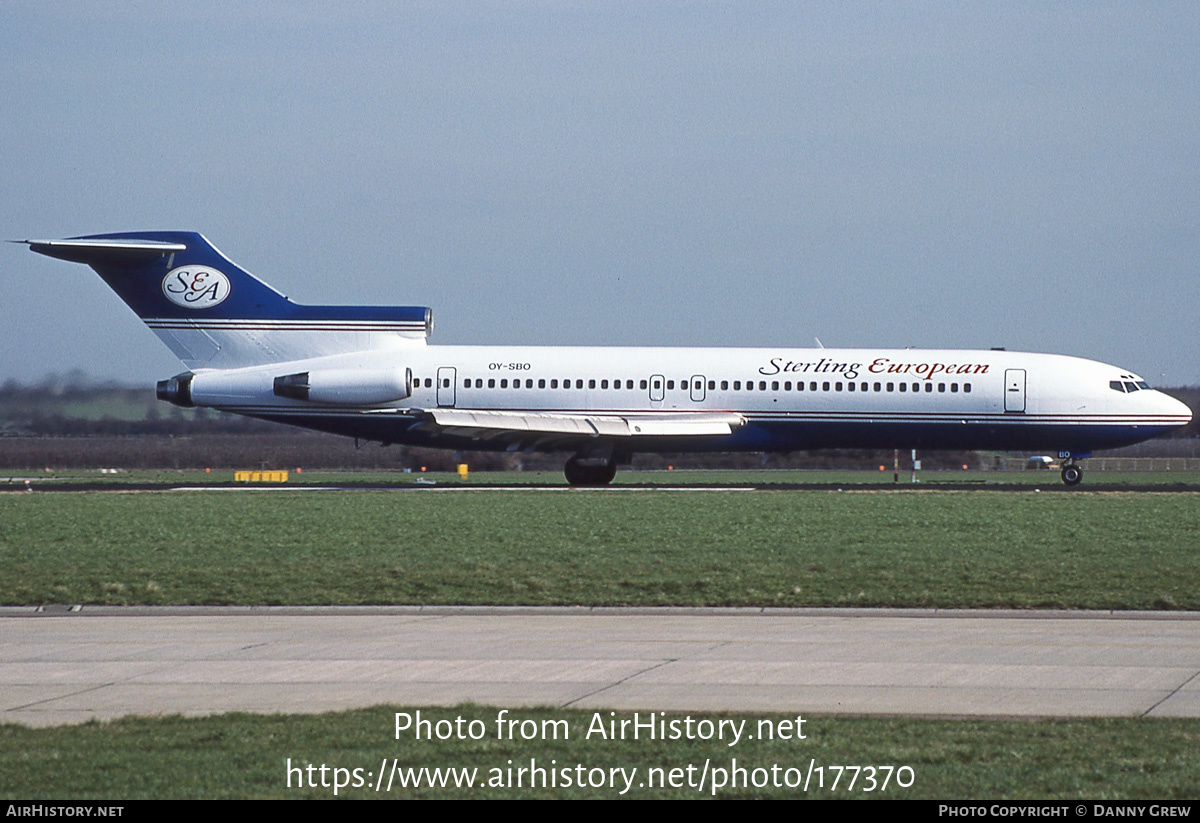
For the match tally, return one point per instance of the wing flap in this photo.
(480, 422)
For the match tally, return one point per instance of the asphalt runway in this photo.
(71, 665)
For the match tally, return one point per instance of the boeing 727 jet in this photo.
(368, 372)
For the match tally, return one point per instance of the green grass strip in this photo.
(982, 549)
(246, 756)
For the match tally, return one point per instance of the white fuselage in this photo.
(790, 398)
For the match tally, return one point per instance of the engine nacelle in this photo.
(340, 386)
(347, 387)
(177, 390)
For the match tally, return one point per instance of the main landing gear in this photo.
(1072, 473)
(583, 471)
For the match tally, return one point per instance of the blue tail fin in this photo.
(214, 314)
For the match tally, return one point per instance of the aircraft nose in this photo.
(1176, 408)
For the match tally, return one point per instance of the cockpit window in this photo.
(1129, 384)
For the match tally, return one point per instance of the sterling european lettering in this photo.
(780, 365)
(884, 365)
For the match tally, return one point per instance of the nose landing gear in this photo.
(1072, 473)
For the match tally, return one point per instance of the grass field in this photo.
(244, 756)
(907, 548)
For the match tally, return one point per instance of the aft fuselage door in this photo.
(697, 388)
(1014, 390)
(445, 386)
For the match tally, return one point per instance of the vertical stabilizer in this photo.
(214, 314)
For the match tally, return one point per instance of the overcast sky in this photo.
(897, 174)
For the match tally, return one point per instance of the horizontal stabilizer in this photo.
(102, 251)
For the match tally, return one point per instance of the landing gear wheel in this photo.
(580, 475)
(606, 473)
(575, 473)
(1072, 474)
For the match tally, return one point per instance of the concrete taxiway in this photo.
(69, 666)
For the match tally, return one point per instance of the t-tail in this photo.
(215, 315)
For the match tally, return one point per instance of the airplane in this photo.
(368, 372)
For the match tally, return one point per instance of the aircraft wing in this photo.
(521, 429)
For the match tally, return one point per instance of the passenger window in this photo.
(554, 384)
(849, 387)
(825, 386)
(504, 383)
(479, 382)
(954, 388)
(812, 386)
(429, 382)
(724, 385)
(603, 384)
(467, 383)
(799, 386)
(737, 385)
(670, 384)
(529, 383)
(928, 388)
(592, 384)
(787, 386)
(966, 388)
(542, 383)
(712, 384)
(774, 385)
(492, 383)
(903, 386)
(942, 388)
(837, 386)
(891, 386)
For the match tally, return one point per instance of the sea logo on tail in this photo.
(195, 287)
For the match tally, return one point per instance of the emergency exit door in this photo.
(446, 386)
